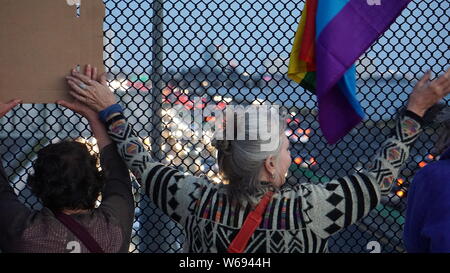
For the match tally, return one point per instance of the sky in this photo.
(252, 33)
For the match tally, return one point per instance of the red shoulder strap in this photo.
(251, 223)
(79, 231)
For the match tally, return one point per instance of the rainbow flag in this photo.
(331, 36)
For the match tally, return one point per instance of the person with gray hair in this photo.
(427, 222)
(250, 212)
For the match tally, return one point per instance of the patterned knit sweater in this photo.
(298, 219)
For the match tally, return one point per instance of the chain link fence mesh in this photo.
(163, 53)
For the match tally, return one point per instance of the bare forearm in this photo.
(99, 131)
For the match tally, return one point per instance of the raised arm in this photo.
(342, 202)
(171, 190)
(117, 195)
(13, 213)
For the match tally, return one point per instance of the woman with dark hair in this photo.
(251, 212)
(66, 176)
(427, 222)
(68, 182)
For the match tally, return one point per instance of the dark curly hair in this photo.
(66, 177)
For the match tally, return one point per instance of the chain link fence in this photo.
(163, 53)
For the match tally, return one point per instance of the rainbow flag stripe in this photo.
(331, 36)
(302, 68)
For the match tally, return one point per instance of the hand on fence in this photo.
(95, 93)
(426, 94)
(76, 105)
(6, 107)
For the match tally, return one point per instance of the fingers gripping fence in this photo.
(166, 52)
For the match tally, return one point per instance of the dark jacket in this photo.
(427, 225)
(24, 230)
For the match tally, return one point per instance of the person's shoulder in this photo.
(105, 214)
(436, 167)
(108, 150)
(40, 216)
(433, 172)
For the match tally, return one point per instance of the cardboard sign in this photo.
(41, 40)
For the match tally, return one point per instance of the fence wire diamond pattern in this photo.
(163, 53)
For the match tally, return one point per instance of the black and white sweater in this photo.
(298, 219)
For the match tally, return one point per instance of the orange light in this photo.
(183, 98)
(430, 157)
(221, 105)
(422, 164)
(300, 131)
(400, 181)
(138, 85)
(166, 91)
(400, 193)
(209, 118)
(308, 131)
(188, 105)
(298, 160)
(200, 106)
